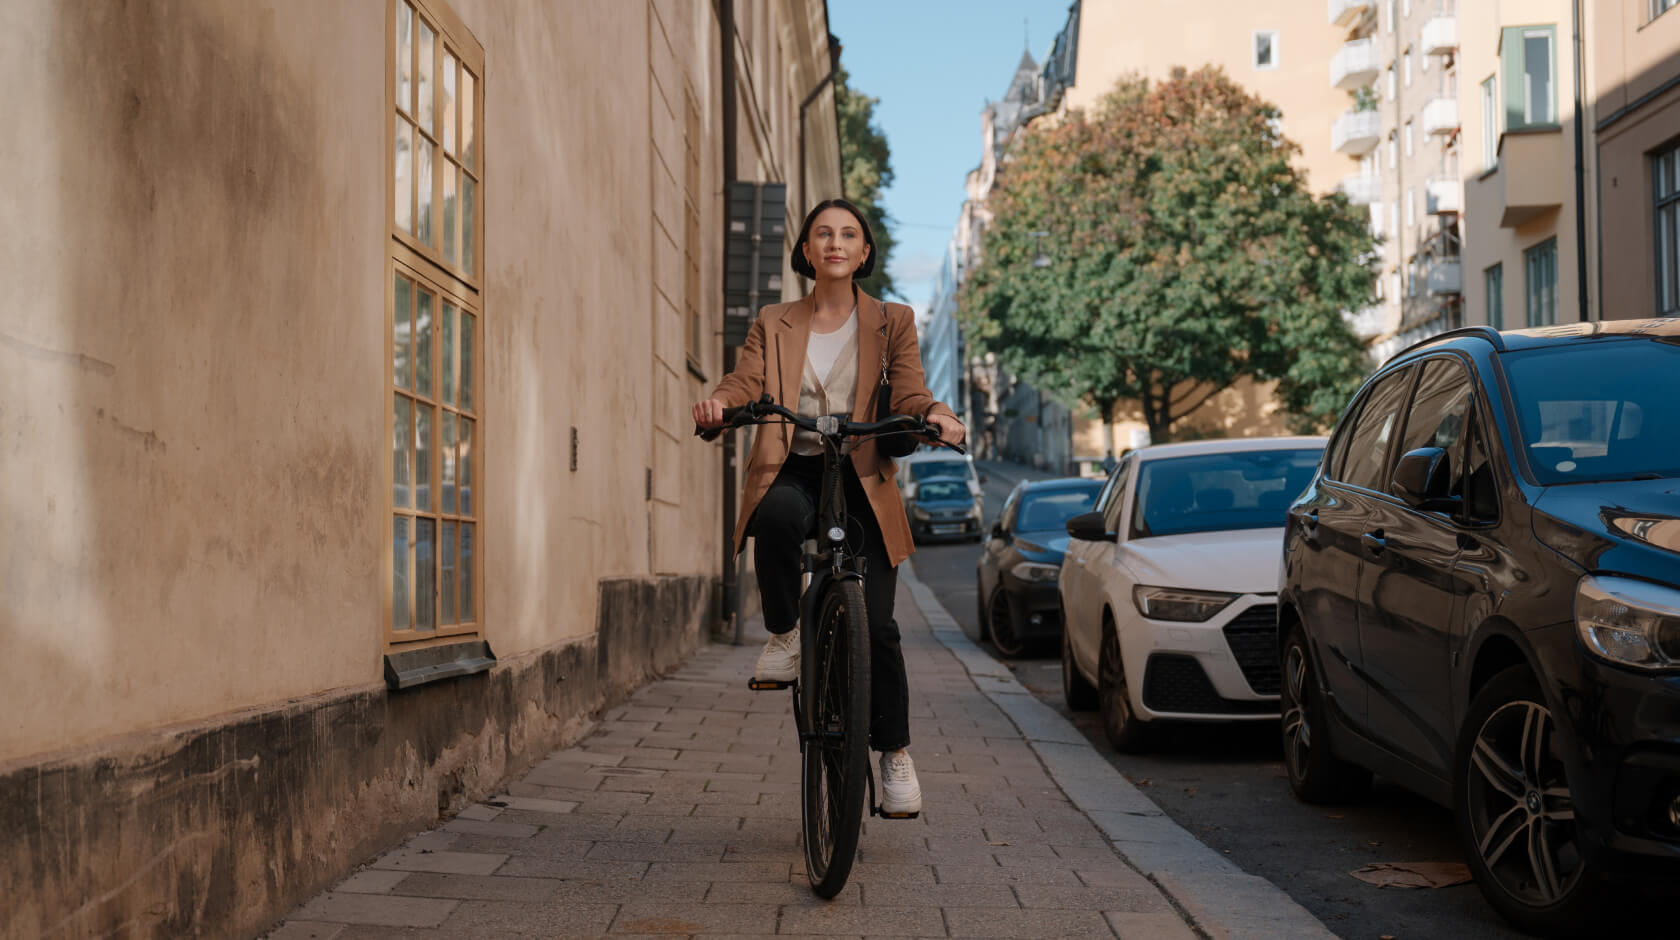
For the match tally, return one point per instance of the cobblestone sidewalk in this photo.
(679, 816)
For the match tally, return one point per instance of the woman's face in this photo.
(835, 246)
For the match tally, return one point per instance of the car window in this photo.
(1246, 489)
(1044, 511)
(927, 469)
(1480, 486)
(1436, 416)
(1367, 450)
(943, 489)
(1599, 411)
(1114, 494)
(1007, 516)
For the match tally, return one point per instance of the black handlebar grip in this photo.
(729, 416)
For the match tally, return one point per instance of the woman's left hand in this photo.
(951, 431)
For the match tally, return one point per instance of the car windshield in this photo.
(934, 490)
(1248, 489)
(1052, 510)
(1598, 411)
(924, 469)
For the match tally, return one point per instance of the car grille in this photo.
(1177, 683)
(1252, 637)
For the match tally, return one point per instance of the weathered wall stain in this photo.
(43, 354)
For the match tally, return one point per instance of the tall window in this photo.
(1265, 49)
(1493, 281)
(1490, 122)
(1659, 7)
(1390, 75)
(1665, 171)
(1528, 61)
(433, 322)
(1406, 66)
(1408, 138)
(1540, 267)
(691, 224)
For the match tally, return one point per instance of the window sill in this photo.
(409, 668)
(695, 370)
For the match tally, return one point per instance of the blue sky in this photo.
(934, 64)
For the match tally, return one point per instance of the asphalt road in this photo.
(1227, 786)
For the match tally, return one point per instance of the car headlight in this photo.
(920, 513)
(1634, 623)
(1159, 603)
(1035, 571)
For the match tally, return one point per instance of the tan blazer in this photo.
(772, 362)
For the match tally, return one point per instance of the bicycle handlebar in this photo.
(756, 412)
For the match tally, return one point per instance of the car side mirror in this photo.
(1423, 478)
(1090, 527)
(998, 531)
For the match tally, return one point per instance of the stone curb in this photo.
(1219, 898)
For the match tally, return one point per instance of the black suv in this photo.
(1480, 600)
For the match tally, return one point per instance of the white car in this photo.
(1169, 588)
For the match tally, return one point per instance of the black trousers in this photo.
(785, 518)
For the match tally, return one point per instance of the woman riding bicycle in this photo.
(825, 353)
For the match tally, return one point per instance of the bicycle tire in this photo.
(835, 755)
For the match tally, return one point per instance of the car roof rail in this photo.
(1485, 332)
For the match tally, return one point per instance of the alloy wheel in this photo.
(1004, 635)
(1520, 811)
(1297, 724)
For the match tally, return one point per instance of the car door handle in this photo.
(1374, 542)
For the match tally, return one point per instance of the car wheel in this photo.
(1315, 774)
(1516, 816)
(1126, 732)
(1005, 636)
(1081, 696)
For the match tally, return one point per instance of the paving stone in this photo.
(435, 840)
(543, 844)
(1140, 897)
(661, 918)
(620, 889)
(306, 930)
(548, 919)
(459, 863)
(1160, 926)
(796, 893)
(718, 871)
(390, 910)
(656, 851)
(478, 887)
(479, 812)
(883, 921)
(996, 874)
(529, 866)
(505, 830)
(530, 804)
(939, 895)
(1029, 924)
(371, 881)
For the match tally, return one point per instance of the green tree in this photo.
(1163, 247)
(865, 170)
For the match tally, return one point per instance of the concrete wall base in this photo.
(220, 827)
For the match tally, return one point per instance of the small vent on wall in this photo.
(574, 450)
(650, 483)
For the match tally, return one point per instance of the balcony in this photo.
(1361, 189)
(1440, 35)
(1444, 276)
(1443, 196)
(1370, 322)
(1355, 65)
(1346, 12)
(1440, 116)
(1356, 133)
(1533, 175)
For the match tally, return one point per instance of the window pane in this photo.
(448, 102)
(1262, 49)
(450, 175)
(400, 561)
(401, 303)
(423, 154)
(464, 569)
(425, 575)
(1537, 75)
(423, 344)
(1367, 453)
(468, 224)
(403, 193)
(405, 56)
(465, 465)
(402, 462)
(469, 129)
(449, 461)
(466, 361)
(423, 76)
(423, 458)
(446, 557)
(1439, 408)
(449, 354)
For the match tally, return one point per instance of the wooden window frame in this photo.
(460, 283)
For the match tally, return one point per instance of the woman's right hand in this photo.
(709, 413)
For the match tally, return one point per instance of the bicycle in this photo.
(831, 696)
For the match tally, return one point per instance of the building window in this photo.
(1391, 81)
(1659, 7)
(1393, 150)
(1376, 218)
(1406, 66)
(1540, 266)
(1490, 122)
(1394, 217)
(1493, 280)
(1394, 278)
(692, 143)
(1408, 138)
(434, 327)
(1405, 8)
(1411, 213)
(1528, 61)
(1388, 16)
(1265, 49)
(1666, 173)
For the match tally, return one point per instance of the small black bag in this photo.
(893, 445)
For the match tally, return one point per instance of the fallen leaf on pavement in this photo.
(1413, 874)
(997, 843)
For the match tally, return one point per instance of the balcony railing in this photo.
(1355, 65)
(1440, 35)
(1444, 276)
(1356, 133)
(1443, 196)
(1345, 12)
(1440, 116)
(1361, 189)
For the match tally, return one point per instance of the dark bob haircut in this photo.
(802, 265)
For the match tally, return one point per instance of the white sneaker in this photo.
(900, 792)
(780, 660)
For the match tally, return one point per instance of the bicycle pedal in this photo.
(769, 685)
(886, 815)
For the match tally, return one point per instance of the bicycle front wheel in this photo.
(836, 747)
